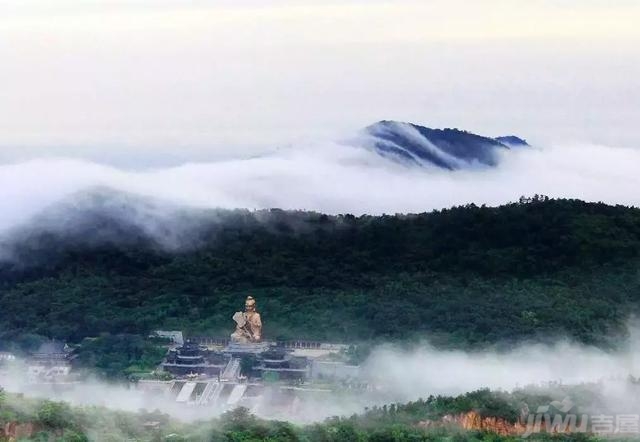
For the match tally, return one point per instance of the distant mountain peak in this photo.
(512, 141)
(451, 149)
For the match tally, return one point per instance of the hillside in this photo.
(468, 275)
(475, 416)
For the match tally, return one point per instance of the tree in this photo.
(247, 362)
(55, 414)
(74, 436)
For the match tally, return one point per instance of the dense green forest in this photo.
(464, 276)
(58, 421)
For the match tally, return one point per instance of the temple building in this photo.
(51, 363)
(193, 359)
(278, 364)
(264, 361)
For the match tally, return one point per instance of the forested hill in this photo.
(467, 275)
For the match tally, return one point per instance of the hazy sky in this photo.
(202, 79)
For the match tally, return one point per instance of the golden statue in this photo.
(248, 324)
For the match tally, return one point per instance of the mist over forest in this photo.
(525, 292)
(319, 221)
(533, 261)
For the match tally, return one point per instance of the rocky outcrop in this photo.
(472, 420)
(13, 431)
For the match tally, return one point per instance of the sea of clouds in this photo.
(331, 178)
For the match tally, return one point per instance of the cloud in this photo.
(331, 178)
(173, 75)
(409, 374)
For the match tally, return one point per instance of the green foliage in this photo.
(118, 355)
(74, 436)
(464, 276)
(484, 401)
(393, 422)
(54, 414)
(240, 426)
(247, 362)
(356, 354)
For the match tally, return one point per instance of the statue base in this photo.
(240, 348)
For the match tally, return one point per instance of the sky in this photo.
(167, 81)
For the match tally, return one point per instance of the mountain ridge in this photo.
(450, 149)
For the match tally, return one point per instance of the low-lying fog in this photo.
(400, 375)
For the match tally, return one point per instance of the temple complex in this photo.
(243, 369)
(51, 363)
(246, 368)
(264, 359)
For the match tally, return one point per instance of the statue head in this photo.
(250, 304)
